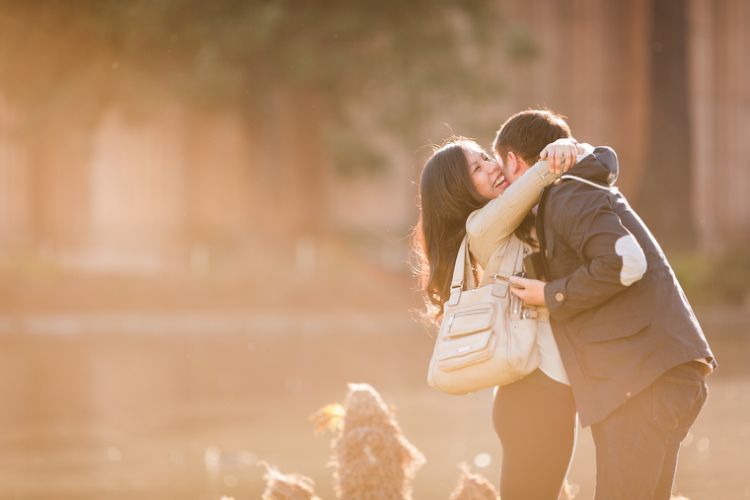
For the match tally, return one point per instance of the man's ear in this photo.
(517, 165)
(513, 165)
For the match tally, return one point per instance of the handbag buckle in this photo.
(529, 313)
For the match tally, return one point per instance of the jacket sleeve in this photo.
(500, 217)
(582, 218)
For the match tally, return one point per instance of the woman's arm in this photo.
(501, 216)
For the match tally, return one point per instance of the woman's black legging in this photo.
(535, 419)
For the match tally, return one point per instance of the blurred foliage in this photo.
(225, 49)
(352, 154)
(399, 59)
(721, 279)
(522, 47)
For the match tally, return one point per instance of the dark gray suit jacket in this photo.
(618, 314)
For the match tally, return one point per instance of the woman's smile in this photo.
(501, 182)
(485, 172)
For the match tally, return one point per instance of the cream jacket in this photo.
(490, 229)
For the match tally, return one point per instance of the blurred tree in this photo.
(669, 162)
(294, 67)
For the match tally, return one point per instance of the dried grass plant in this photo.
(372, 458)
(281, 486)
(473, 486)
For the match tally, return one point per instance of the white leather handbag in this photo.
(487, 337)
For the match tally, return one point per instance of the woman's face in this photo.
(485, 173)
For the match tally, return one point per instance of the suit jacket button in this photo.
(559, 296)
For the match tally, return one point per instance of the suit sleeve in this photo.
(584, 220)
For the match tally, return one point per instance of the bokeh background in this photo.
(206, 207)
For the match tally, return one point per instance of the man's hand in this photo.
(561, 155)
(530, 291)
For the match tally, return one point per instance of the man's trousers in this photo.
(637, 444)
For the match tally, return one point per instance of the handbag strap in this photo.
(459, 268)
(507, 266)
(463, 262)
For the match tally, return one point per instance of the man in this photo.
(630, 343)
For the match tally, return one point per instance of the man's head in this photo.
(522, 137)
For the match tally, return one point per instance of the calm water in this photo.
(187, 407)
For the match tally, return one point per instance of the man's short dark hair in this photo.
(526, 133)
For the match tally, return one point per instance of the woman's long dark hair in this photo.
(446, 198)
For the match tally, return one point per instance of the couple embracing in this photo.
(619, 344)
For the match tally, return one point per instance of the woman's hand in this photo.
(528, 290)
(561, 155)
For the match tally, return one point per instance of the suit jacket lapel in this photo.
(539, 223)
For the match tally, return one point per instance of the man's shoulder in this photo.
(567, 198)
(563, 191)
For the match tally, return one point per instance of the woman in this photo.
(465, 191)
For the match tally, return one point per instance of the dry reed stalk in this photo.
(287, 486)
(473, 486)
(568, 491)
(372, 458)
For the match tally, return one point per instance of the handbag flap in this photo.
(456, 352)
(468, 321)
